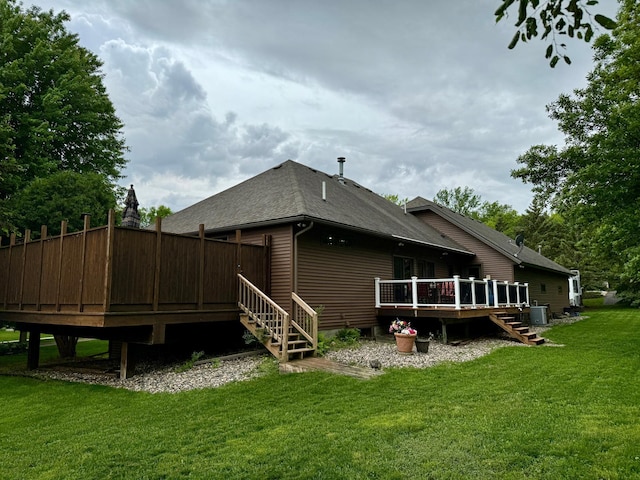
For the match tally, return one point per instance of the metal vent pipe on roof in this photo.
(341, 161)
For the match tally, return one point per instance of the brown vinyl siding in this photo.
(281, 260)
(556, 286)
(342, 278)
(491, 262)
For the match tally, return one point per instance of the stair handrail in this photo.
(266, 313)
(305, 319)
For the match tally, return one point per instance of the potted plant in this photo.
(422, 343)
(405, 335)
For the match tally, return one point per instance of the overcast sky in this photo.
(417, 95)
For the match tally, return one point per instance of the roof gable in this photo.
(491, 237)
(292, 191)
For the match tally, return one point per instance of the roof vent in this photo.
(341, 161)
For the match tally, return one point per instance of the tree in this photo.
(462, 200)
(66, 196)
(54, 110)
(395, 198)
(558, 19)
(148, 215)
(594, 179)
(465, 201)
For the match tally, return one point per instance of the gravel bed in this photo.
(152, 378)
(166, 379)
(385, 351)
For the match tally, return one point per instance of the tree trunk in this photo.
(66, 345)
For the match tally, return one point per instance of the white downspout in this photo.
(295, 255)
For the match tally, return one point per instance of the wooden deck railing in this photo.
(118, 269)
(305, 320)
(456, 292)
(265, 312)
(276, 322)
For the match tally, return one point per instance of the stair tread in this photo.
(298, 350)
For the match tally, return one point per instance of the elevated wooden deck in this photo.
(123, 284)
(447, 312)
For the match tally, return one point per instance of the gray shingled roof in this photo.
(497, 240)
(292, 192)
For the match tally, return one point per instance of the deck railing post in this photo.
(487, 298)
(456, 289)
(527, 290)
(517, 284)
(414, 292)
(377, 283)
(285, 338)
(506, 286)
(473, 292)
(496, 303)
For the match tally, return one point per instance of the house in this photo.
(287, 252)
(329, 236)
(498, 256)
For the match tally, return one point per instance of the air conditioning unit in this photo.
(538, 315)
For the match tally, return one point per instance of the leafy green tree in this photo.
(395, 198)
(594, 179)
(66, 196)
(466, 201)
(557, 19)
(148, 215)
(501, 217)
(462, 200)
(54, 110)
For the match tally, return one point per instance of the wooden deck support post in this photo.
(126, 362)
(33, 352)
(444, 331)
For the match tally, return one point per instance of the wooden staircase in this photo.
(516, 329)
(286, 337)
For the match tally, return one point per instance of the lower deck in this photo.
(444, 317)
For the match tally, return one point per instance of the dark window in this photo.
(426, 269)
(402, 268)
(543, 287)
(474, 272)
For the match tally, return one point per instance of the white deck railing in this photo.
(453, 292)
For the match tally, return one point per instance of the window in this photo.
(543, 287)
(402, 268)
(559, 289)
(426, 269)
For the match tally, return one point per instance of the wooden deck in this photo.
(446, 312)
(123, 284)
(450, 315)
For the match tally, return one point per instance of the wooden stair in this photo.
(515, 329)
(297, 345)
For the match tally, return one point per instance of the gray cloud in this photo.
(418, 95)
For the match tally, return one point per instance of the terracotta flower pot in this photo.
(405, 342)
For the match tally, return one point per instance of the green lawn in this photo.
(7, 335)
(570, 412)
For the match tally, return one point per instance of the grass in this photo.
(9, 335)
(519, 413)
